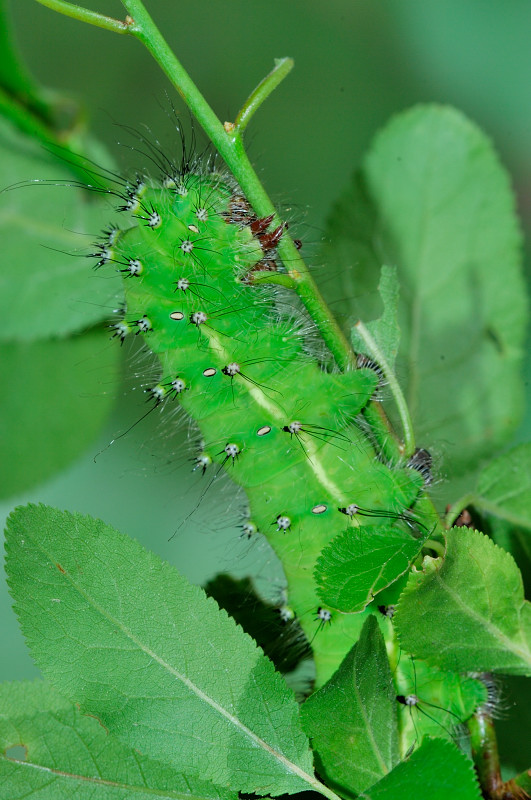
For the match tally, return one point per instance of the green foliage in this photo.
(433, 200)
(58, 295)
(468, 611)
(352, 719)
(16, 85)
(385, 330)
(70, 755)
(69, 382)
(156, 691)
(50, 380)
(437, 768)
(359, 563)
(504, 487)
(187, 687)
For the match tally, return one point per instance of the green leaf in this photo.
(14, 77)
(68, 755)
(435, 201)
(351, 246)
(504, 486)
(57, 395)
(385, 330)
(438, 769)
(360, 562)
(467, 612)
(124, 635)
(351, 720)
(47, 286)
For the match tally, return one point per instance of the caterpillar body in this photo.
(239, 357)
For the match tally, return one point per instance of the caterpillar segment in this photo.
(237, 358)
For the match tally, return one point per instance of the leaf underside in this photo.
(433, 200)
(504, 486)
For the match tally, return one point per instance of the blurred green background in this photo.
(356, 63)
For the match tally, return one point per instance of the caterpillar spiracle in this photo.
(241, 358)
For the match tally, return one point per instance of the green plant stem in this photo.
(376, 353)
(84, 15)
(485, 752)
(283, 67)
(230, 146)
(455, 509)
(433, 544)
(380, 427)
(278, 278)
(485, 755)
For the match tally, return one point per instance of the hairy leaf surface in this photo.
(437, 769)
(351, 720)
(360, 563)
(56, 753)
(136, 645)
(468, 612)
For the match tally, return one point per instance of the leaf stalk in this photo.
(376, 353)
(85, 15)
(282, 68)
(457, 507)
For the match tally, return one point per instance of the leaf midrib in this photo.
(370, 736)
(289, 765)
(495, 631)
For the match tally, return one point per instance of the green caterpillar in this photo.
(240, 358)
